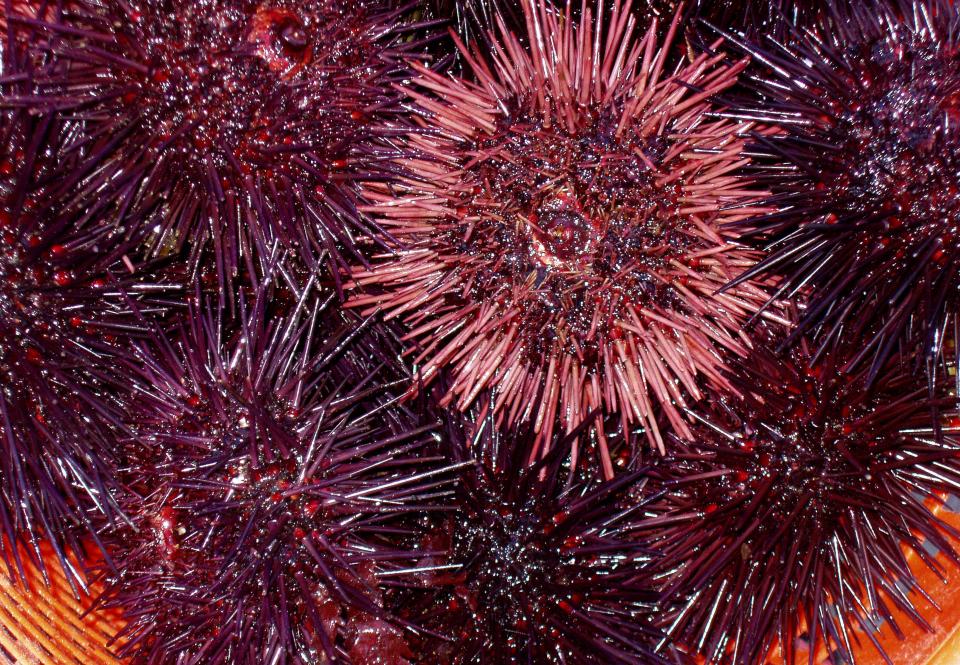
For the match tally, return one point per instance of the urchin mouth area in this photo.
(563, 236)
(815, 449)
(510, 565)
(578, 226)
(802, 464)
(281, 40)
(590, 202)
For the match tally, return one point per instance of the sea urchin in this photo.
(562, 244)
(792, 510)
(270, 464)
(539, 568)
(65, 310)
(217, 126)
(870, 199)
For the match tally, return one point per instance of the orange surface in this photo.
(920, 647)
(44, 625)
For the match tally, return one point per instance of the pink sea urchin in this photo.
(562, 243)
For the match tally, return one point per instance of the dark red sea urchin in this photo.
(539, 569)
(273, 466)
(792, 511)
(869, 106)
(64, 311)
(219, 125)
(562, 243)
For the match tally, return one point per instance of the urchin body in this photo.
(564, 243)
(56, 466)
(66, 313)
(869, 195)
(219, 129)
(795, 509)
(534, 567)
(269, 468)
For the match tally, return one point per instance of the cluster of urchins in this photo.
(354, 331)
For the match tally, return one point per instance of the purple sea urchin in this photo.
(793, 509)
(540, 569)
(272, 464)
(562, 244)
(218, 126)
(870, 197)
(63, 311)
